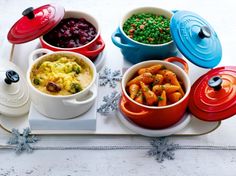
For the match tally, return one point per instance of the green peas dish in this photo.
(148, 28)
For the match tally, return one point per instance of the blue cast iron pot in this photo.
(136, 52)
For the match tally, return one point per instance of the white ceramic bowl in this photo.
(61, 107)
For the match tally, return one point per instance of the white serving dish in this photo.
(106, 125)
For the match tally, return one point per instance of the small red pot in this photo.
(152, 116)
(91, 49)
(38, 22)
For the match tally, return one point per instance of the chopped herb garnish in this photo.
(163, 67)
(36, 81)
(160, 98)
(75, 87)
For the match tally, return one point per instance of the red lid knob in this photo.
(215, 83)
(29, 12)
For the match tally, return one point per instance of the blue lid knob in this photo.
(205, 32)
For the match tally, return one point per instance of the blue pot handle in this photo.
(174, 11)
(119, 44)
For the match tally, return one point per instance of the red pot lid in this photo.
(213, 95)
(35, 23)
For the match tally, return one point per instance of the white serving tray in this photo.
(110, 124)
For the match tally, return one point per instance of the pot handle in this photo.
(33, 56)
(119, 44)
(174, 11)
(75, 102)
(123, 102)
(99, 42)
(179, 60)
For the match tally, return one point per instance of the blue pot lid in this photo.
(196, 39)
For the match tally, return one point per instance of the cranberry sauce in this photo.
(71, 33)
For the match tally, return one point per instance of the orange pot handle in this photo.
(179, 60)
(123, 102)
(101, 45)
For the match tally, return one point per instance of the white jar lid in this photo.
(14, 91)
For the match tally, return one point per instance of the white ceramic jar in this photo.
(61, 106)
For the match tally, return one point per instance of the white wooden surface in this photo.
(221, 16)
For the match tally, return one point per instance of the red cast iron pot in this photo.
(91, 49)
(154, 117)
(38, 22)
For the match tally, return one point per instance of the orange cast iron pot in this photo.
(154, 117)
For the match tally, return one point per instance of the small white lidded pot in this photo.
(61, 106)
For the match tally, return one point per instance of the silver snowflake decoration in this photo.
(22, 140)
(111, 103)
(162, 149)
(109, 77)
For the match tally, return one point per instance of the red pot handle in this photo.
(101, 45)
(179, 60)
(123, 102)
